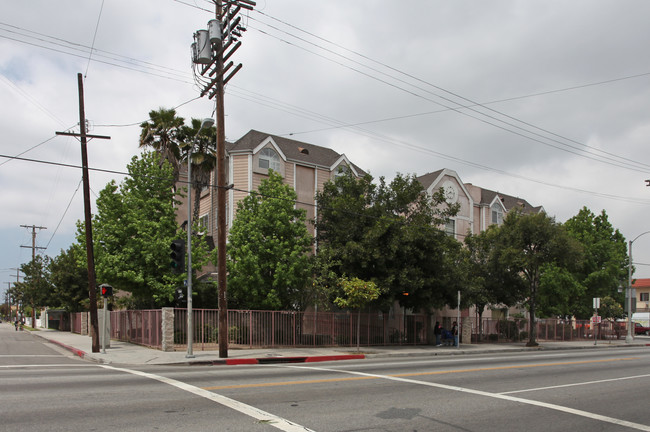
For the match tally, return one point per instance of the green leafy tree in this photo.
(35, 287)
(487, 282)
(558, 288)
(357, 294)
(388, 234)
(610, 309)
(604, 266)
(268, 253)
(69, 281)
(526, 246)
(133, 228)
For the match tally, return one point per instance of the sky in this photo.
(545, 100)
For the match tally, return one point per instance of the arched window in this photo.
(269, 159)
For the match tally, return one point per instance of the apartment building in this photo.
(306, 167)
(479, 207)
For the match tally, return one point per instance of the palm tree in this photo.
(204, 157)
(162, 132)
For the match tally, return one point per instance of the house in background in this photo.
(642, 287)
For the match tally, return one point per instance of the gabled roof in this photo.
(429, 178)
(508, 201)
(294, 151)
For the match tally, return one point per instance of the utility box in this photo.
(104, 335)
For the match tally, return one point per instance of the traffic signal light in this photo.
(107, 290)
(178, 256)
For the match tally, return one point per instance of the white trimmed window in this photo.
(497, 215)
(204, 224)
(269, 159)
(450, 228)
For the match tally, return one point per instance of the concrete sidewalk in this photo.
(123, 353)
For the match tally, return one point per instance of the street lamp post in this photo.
(206, 123)
(630, 337)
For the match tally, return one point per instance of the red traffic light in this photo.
(107, 290)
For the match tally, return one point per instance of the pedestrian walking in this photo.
(454, 331)
(437, 331)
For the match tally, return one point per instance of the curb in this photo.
(73, 350)
(276, 360)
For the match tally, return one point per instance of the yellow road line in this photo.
(328, 380)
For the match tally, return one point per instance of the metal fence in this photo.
(75, 322)
(250, 329)
(142, 327)
(255, 329)
(515, 330)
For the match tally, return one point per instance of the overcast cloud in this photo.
(564, 88)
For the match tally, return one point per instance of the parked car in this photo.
(639, 329)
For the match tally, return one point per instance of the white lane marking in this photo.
(28, 355)
(437, 360)
(575, 384)
(251, 411)
(45, 366)
(459, 359)
(561, 408)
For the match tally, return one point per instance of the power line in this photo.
(419, 148)
(63, 216)
(604, 157)
(92, 46)
(639, 201)
(640, 166)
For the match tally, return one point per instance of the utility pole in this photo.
(33, 246)
(210, 50)
(92, 294)
(17, 280)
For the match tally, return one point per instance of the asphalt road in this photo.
(44, 388)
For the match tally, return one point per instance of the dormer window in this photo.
(497, 215)
(341, 170)
(269, 159)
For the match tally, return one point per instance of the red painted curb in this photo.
(241, 361)
(75, 351)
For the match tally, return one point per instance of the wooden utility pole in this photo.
(33, 246)
(90, 256)
(221, 201)
(211, 49)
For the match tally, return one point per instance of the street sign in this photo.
(596, 319)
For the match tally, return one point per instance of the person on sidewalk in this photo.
(454, 331)
(437, 330)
